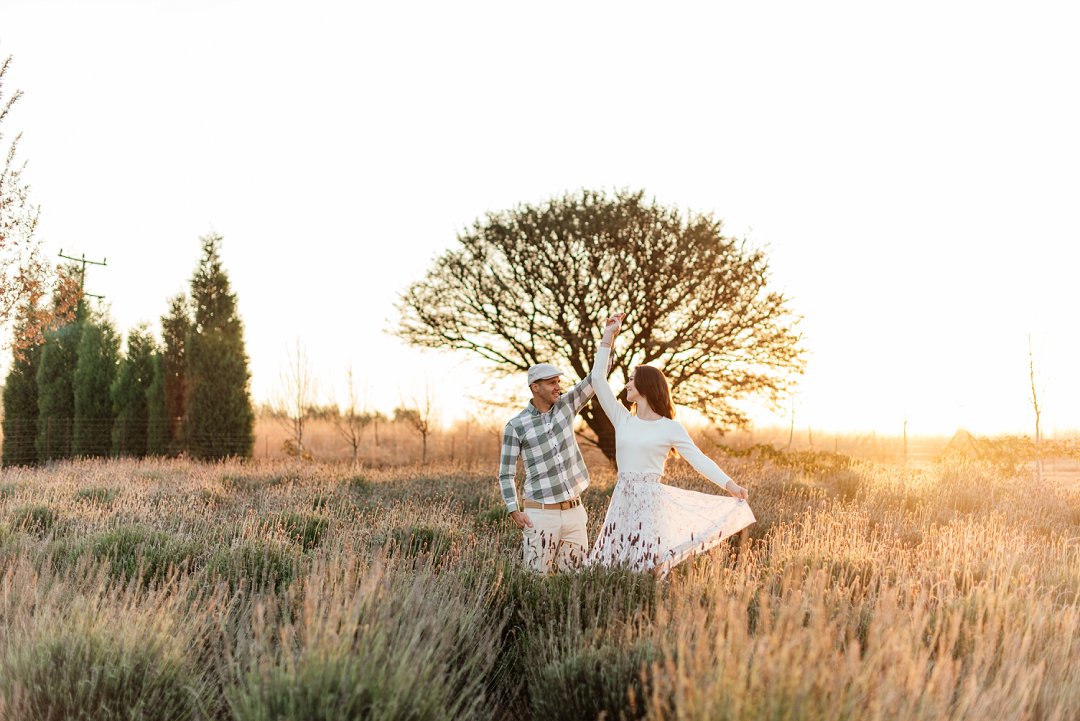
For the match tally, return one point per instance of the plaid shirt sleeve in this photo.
(511, 449)
(580, 394)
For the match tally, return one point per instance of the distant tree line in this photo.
(75, 395)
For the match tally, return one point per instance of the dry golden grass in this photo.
(470, 444)
(290, 590)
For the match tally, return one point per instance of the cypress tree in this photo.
(175, 327)
(56, 388)
(97, 359)
(129, 394)
(221, 420)
(21, 404)
(157, 433)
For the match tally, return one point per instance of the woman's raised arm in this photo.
(615, 411)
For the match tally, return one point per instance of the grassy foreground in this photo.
(172, 590)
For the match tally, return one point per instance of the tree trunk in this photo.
(598, 423)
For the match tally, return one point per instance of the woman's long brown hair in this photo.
(651, 383)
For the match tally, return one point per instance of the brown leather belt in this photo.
(560, 506)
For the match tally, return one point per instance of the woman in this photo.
(649, 525)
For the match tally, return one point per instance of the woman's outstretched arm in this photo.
(705, 465)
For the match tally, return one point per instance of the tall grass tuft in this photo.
(254, 564)
(416, 540)
(35, 519)
(101, 495)
(136, 552)
(370, 642)
(75, 647)
(307, 530)
(589, 678)
(95, 674)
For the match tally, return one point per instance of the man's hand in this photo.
(611, 327)
(521, 519)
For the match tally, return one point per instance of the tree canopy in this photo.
(21, 405)
(220, 416)
(130, 394)
(97, 360)
(175, 327)
(534, 284)
(56, 387)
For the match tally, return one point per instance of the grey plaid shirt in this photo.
(554, 468)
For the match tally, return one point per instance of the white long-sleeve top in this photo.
(642, 446)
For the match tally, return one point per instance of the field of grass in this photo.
(284, 590)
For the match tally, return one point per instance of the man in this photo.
(552, 517)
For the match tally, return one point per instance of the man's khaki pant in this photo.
(557, 539)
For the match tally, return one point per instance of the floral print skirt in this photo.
(650, 525)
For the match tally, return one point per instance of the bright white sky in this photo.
(912, 168)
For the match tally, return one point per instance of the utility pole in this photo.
(82, 271)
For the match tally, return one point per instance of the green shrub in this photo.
(415, 540)
(359, 484)
(327, 689)
(609, 679)
(64, 552)
(233, 482)
(549, 612)
(251, 483)
(133, 550)
(254, 564)
(493, 517)
(38, 520)
(101, 496)
(303, 529)
(412, 646)
(79, 676)
(593, 596)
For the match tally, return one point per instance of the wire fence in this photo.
(28, 440)
(382, 444)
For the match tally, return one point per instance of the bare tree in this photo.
(421, 415)
(296, 398)
(533, 285)
(351, 421)
(25, 276)
(1038, 412)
